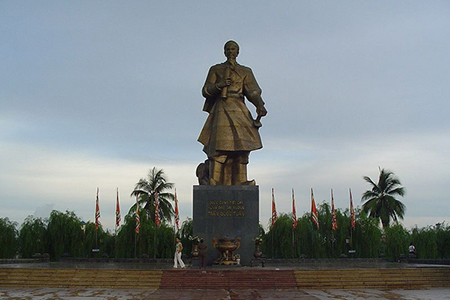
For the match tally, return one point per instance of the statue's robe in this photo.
(229, 126)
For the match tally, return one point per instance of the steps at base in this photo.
(418, 278)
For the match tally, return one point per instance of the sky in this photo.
(96, 93)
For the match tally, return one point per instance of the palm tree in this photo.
(145, 190)
(381, 202)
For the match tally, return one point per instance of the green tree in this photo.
(443, 240)
(312, 242)
(8, 238)
(187, 230)
(145, 191)
(33, 237)
(381, 202)
(130, 244)
(397, 241)
(281, 233)
(65, 234)
(100, 239)
(367, 236)
(425, 241)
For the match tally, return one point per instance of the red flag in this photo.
(334, 225)
(138, 217)
(177, 217)
(314, 215)
(97, 212)
(352, 211)
(118, 218)
(157, 221)
(294, 214)
(274, 209)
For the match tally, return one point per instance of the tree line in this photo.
(64, 234)
(368, 239)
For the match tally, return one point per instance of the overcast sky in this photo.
(95, 93)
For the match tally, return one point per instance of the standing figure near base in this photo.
(230, 132)
(177, 259)
(202, 254)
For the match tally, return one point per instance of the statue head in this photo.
(231, 49)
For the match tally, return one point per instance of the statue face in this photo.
(231, 51)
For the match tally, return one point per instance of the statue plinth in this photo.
(227, 212)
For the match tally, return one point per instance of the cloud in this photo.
(44, 210)
(94, 95)
(68, 181)
(419, 163)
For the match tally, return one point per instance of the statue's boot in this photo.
(215, 172)
(241, 175)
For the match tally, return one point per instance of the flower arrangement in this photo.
(195, 239)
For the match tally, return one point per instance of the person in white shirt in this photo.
(177, 259)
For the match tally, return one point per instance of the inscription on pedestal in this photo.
(225, 208)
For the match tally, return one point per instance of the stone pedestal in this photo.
(227, 212)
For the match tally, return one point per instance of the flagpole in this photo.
(352, 218)
(156, 226)
(137, 227)
(351, 237)
(115, 227)
(273, 250)
(274, 219)
(293, 244)
(332, 224)
(332, 243)
(154, 238)
(96, 219)
(294, 224)
(176, 218)
(155, 195)
(135, 244)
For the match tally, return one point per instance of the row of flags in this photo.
(97, 211)
(314, 214)
(138, 216)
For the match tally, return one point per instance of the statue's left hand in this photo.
(261, 111)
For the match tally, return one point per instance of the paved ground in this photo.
(300, 265)
(115, 294)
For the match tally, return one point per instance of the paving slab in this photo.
(233, 294)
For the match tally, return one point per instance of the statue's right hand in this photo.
(223, 83)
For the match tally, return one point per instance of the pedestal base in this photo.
(227, 212)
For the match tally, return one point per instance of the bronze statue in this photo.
(230, 133)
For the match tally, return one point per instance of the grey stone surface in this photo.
(197, 294)
(227, 211)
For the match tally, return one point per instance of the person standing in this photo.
(412, 251)
(202, 254)
(177, 259)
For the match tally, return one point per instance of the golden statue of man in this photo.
(229, 133)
